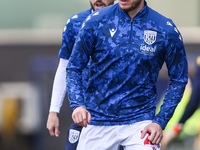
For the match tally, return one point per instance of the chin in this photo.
(124, 8)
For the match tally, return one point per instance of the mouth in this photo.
(99, 5)
(123, 1)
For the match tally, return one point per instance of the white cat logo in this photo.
(112, 32)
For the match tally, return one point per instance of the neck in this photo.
(132, 13)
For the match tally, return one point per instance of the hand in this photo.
(81, 116)
(155, 133)
(53, 124)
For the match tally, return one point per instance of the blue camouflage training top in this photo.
(126, 57)
(70, 32)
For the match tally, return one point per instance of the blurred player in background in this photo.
(59, 88)
(128, 43)
(191, 107)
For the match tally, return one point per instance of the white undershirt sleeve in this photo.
(59, 86)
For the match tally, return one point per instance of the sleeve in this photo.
(68, 40)
(59, 87)
(82, 50)
(176, 62)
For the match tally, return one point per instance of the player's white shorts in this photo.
(110, 137)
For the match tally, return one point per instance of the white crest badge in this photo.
(149, 36)
(73, 135)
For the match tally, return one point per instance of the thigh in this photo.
(73, 134)
(98, 138)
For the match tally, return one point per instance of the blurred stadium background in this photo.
(30, 38)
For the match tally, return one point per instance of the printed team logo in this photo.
(169, 23)
(95, 14)
(75, 16)
(73, 135)
(149, 36)
(180, 38)
(88, 18)
(83, 25)
(176, 30)
(112, 32)
(68, 21)
(65, 28)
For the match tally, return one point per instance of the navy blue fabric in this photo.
(69, 145)
(126, 57)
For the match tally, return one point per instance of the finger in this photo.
(57, 132)
(75, 119)
(84, 119)
(88, 117)
(52, 131)
(153, 137)
(144, 132)
(80, 118)
(159, 138)
(158, 141)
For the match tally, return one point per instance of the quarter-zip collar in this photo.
(142, 12)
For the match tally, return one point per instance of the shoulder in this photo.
(76, 20)
(80, 17)
(101, 14)
(105, 12)
(166, 24)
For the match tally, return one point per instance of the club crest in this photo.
(149, 36)
(73, 135)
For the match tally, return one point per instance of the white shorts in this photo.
(111, 137)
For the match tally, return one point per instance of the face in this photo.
(96, 4)
(130, 5)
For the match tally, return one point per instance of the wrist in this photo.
(53, 113)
